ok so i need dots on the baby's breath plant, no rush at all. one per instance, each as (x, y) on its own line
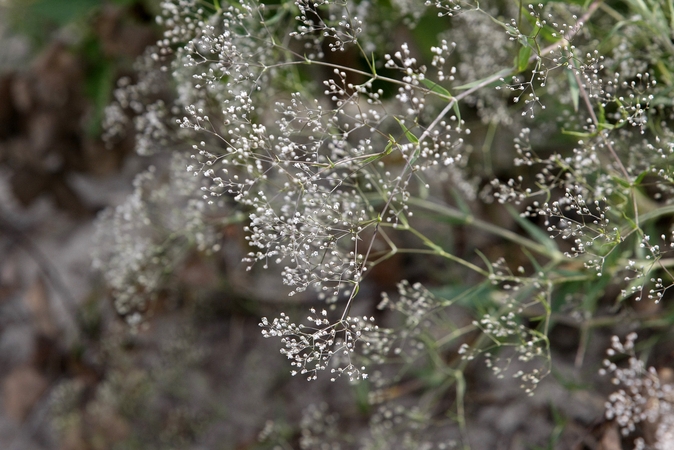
(342, 131)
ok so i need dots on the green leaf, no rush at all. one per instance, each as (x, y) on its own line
(548, 33)
(460, 202)
(603, 124)
(523, 58)
(537, 267)
(457, 111)
(435, 87)
(574, 89)
(661, 211)
(387, 151)
(602, 114)
(389, 147)
(624, 183)
(582, 134)
(536, 233)
(356, 289)
(412, 138)
(640, 177)
(500, 74)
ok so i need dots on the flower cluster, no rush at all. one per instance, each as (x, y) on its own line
(325, 344)
(642, 397)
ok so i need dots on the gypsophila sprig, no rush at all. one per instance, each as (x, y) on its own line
(324, 344)
(642, 396)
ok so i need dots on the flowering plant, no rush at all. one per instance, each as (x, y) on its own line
(339, 132)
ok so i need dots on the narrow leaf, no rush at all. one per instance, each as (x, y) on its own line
(577, 133)
(457, 111)
(574, 89)
(523, 58)
(435, 87)
(499, 74)
(640, 177)
(412, 138)
(460, 202)
(536, 233)
(621, 182)
(387, 151)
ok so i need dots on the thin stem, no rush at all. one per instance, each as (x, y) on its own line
(372, 76)
(441, 252)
